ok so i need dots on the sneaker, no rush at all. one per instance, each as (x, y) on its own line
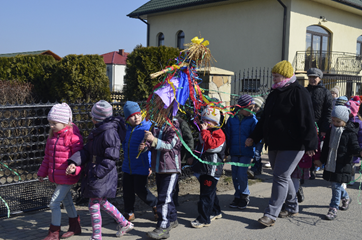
(174, 224)
(214, 217)
(130, 216)
(345, 203)
(159, 233)
(197, 224)
(251, 174)
(300, 194)
(267, 165)
(235, 203)
(244, 202)
(312, 175)
(123, 230)
(332, 214)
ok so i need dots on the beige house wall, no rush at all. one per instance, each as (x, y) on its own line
(345, 27)
(242, 34)
(247, 34)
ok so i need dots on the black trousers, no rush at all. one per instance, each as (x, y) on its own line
(136, 184)
(208, 203)
(166, 209)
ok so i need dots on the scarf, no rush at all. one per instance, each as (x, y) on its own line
(285, 82)
(335, 137)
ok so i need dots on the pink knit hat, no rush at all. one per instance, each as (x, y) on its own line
(101, 110)
(353, 106)
(60, 113)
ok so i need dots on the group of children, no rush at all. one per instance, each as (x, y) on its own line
(160, 148)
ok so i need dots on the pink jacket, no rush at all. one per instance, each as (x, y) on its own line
(58, 150)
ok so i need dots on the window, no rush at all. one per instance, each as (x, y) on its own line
(250, 85)
(180, 40)
(161, 39)
(317, 48)
(359, 46)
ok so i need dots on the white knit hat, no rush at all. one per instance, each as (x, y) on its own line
(60, 113)
(211, 114)
(341, 112)
(259, 101)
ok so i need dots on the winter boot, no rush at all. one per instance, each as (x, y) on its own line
(74, 228)
(300, 194)
(53, 233)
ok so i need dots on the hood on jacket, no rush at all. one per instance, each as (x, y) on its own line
(108, 123)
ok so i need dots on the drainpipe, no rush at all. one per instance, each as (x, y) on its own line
(284, 28)
(148, 30)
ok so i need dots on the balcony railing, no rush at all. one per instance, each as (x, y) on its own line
(328, 62)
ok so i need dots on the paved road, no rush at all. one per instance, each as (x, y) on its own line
(235, 224)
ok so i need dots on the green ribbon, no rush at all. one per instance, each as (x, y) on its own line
(206, 162)
(6, 204)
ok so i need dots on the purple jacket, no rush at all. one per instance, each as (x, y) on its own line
(357, 120)
(166, 155)
(100, 154)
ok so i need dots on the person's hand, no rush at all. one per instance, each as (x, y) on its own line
(149, 172)
(318, 163)
(142, 146)
(249, 142)
(203, 126)
(311, 153)
(148, 136)
(40, 179)
(190, 160)
(70, 169)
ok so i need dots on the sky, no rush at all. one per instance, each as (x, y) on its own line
(70, 26)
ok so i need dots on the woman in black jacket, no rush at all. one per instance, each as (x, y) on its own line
(287, 126)
(340, 145)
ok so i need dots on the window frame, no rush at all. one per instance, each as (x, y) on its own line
(179, 38)
(160, 39)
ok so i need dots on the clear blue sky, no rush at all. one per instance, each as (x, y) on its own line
(70, 26)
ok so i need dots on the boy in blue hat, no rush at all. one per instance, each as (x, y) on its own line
(135, 171)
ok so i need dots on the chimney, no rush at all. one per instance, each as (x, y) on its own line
(121, 52)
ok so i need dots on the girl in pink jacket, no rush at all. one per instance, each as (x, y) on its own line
(64, 140)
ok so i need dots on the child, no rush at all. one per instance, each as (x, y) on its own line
(301, 172)
(64, 140)
(339, 146)
(135, 171)
(237, 130)
(166, 163)
(341, 101)
(335, 94)
(256, 169)
(101, 154)
(212, 149)
(353, 105)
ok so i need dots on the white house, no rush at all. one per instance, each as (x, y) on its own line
(116, 69)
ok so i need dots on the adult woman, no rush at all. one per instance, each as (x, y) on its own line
(287, 126)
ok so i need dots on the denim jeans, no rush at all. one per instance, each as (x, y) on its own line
(62, 194)
(257, 158)
(240, 176)
(338, 193)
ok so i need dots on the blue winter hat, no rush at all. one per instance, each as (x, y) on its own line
(130, 109)
(341, 101)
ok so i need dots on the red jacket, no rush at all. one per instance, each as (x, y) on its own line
(58, 150)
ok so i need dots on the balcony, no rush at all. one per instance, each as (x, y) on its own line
(328, 61)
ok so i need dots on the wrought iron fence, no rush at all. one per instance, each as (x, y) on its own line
(23, 133)
(350, 85)
(255, 82)
(328, 61)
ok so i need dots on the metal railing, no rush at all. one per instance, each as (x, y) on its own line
(328, 61)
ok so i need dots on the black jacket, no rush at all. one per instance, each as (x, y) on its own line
(287, 122)
(322, 105)
(187, 137)
(348, 147)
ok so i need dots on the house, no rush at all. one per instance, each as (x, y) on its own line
(245, 34)
(41, 52)
(116, 69)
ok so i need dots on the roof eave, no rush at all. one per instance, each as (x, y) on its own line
(348, 3)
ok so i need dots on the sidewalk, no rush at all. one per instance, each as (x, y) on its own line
(235, 224)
